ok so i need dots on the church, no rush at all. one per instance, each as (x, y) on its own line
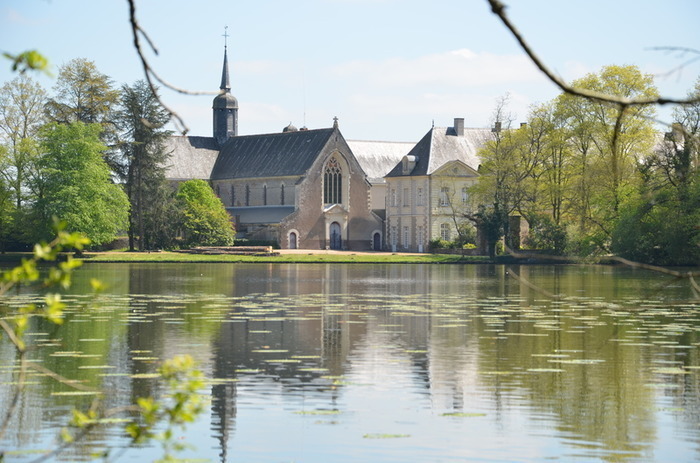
(313, 189)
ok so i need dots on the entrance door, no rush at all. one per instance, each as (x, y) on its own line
(336, 239)
(292, 240)
(377, 242)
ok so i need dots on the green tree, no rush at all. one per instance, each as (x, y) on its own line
(619, 136)
(76, 186)
(553, 173)
(661, 226)
(141, 119)
(22, 103)
(508, 165)
(205, 221)
(84, 94)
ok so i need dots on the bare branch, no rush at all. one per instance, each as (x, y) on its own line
(499, 9)
(150, 74)
(682, 51)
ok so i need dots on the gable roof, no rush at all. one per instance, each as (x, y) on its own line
(270, 155)
(190, 157)
(442, 145)
(377, 158)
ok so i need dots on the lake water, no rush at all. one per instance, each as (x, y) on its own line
(379, 363)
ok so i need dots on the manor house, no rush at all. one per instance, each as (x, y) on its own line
(313, 189)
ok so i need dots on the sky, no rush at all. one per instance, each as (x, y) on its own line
(388, 69)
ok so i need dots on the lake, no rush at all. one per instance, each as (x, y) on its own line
(377, 363)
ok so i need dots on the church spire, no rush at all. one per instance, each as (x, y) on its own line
(225, 82)
(225, 105)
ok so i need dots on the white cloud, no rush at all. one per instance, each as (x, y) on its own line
(456, 68)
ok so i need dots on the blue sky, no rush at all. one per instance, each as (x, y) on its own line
(386, 68)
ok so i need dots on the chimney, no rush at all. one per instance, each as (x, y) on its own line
(459, 126)
(523, 125)
(497, 127)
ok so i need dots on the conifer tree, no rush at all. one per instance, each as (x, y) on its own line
(142, 165)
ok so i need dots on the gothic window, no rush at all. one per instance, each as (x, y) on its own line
(247, 195)
(282, 194)
(445, 231)
(332, 183)
(264, 195)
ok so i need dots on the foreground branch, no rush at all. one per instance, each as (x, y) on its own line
(150, 74)
(499, 9)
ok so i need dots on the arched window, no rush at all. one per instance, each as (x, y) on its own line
(332, 183)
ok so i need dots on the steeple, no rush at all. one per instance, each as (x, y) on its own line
(225, 105)
(225, 81)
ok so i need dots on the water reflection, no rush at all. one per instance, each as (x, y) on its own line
(390, 362)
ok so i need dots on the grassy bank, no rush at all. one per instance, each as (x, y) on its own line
(310, 257)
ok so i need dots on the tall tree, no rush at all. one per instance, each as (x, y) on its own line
(76, 185)
(661, 227)
(84, 94)
(508, 163)
(621, 136)
(141, 119)
(22, 103)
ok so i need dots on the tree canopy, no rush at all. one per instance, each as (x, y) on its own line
(205, 221)
(76, 185)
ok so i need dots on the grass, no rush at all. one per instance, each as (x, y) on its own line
(284, 258)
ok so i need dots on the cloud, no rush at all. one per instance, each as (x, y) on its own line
(456, 68)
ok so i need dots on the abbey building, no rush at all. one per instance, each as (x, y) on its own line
(313, 189)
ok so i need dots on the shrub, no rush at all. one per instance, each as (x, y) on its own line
(546, 235)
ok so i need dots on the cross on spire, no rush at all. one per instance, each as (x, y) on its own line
(226, 36)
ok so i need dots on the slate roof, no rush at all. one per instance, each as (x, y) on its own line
(270, 155)
(377, 158)
(190, 157)
(261, 214)
(441, 145)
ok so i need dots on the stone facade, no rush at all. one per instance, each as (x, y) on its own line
(428, 191)
(312, 189)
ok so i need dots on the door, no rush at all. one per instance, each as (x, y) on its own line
(377, 242)
(292, 240)
(336, 240)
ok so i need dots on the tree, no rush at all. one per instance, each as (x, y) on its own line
(205, 221)
(84, 94)
(21, 115)
(76, 185)
(610, 142)
(507, 166)
(661, 227)
(141, 120)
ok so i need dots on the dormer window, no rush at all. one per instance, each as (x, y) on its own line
(332, 183)
(407, 164)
